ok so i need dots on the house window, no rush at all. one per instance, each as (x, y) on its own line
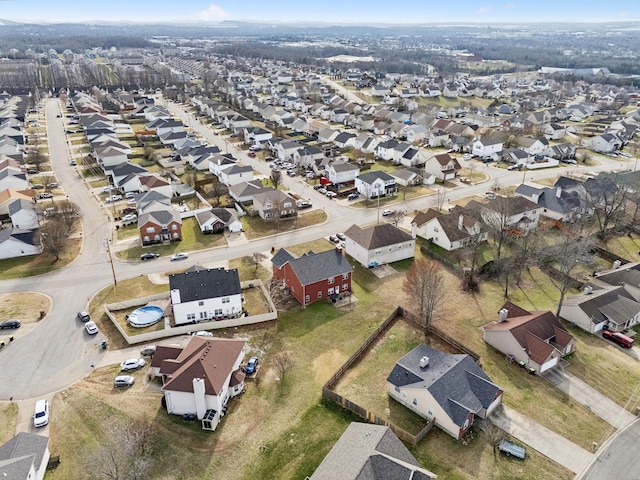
(345, 276)
(330, 281)
(268, 205)
(435, 229)
(174, 227)
(345, 287)
(307, 299)
(404, 395)
(320, 294)
(191, 316)
(330, 291)
(397, 389)
(200, 304)
(415, 401)
(225, 299)
(217, 312)
(150, 229)
(203, 315)
(287, 205)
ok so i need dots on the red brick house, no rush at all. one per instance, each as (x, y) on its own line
(314, 276)
(160, 226)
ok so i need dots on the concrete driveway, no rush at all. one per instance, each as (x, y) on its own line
(550, 444)
(599, 404)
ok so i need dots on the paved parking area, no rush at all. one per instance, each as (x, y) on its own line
(382, 271)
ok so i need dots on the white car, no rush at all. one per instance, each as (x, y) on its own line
(106, 189)
(91, 328)
(124, 381)
(132, 364)
(202, 333)
(387, 212)
(113, 198)
(179, 256)
(129, 217)
(41, 414)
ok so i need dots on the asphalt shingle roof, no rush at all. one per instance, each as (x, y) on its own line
(377, 236)
(211, 283)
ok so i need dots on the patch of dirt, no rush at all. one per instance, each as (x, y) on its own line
(326, 365)
(25, 306)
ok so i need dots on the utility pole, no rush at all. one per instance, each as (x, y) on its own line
(107, 242)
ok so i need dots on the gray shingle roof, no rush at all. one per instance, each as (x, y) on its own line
(371, 177)
(315, 267)
(281, 257)
(20, 453)
(456, 382)
(211, 283)
(377, 236)
(369, 452)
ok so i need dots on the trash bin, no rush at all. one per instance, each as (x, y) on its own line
(104, 344)
(11, 338)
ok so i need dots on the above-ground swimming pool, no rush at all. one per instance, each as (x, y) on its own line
(145, 316)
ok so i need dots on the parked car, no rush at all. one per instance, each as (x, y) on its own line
(126, 210)
(106, 189)
(149, 256)
(353, 196)
(569, 161)
(13, 323)
(252, 154)
(33, 171)
(148, 350)
(466, 156)
(73, 163)
(124, 381)
(132, 364)
(333, 239)
(131, 201)
(322, 190)
(341, 236)
(41, 413)
(113, 198)
(44, 195)
(91, 328)
(331, 194)
(202, 333)
(52, 185)
(37, 186)
(291, 173)
(129, 195)
(387, 212)
(318, 187)
(179, 256)
(129, 217)
(302, 204)
(617, 337)
(83, 316)
(517, 166)
(268, 159)
(252, 366)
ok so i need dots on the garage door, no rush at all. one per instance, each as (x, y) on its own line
(550, 364)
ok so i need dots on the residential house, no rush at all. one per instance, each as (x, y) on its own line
(378, 244)
(534, 146)
(415, 133)
(215, 220)
(15, 242)
(450, 389)
(437, 138)
(326, 135)
(307, 156)
(450, 231)
(8, 196)
(605, 143)
(23, 214)
(443, 166)
(235, 174)
(159, 225)
(341, 171)
(287, 148)
(489, 147)
(556, 203)
(12, 180)
(313, 276)
(256, 136)
(344, 140)
(24, 457)
(204, 295)
(365, 143)
(245, 191)
(155, 183)
(375, 184)
(365, 451)
(537, 339)
(517, 214)
(272, 205)
(408, 176)
(554, 131)
(385, 149)
(203, 377)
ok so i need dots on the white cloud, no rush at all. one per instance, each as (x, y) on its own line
(214, 13)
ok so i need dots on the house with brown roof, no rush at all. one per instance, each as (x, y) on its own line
(450, 231)
(201, 377)
(378, 244)
(443, 166)
(535, 339)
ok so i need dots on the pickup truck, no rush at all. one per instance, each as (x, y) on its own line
(511, 449)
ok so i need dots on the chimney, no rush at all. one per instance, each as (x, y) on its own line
(502, 315)
(558, 192)
(424, 362)
(460, 221)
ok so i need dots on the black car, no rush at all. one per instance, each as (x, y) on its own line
(149, 256)
(83, 316)
(13, 323)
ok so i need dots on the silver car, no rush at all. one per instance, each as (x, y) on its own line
(123, 381)
(132, 364)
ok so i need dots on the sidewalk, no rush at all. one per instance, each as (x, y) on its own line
(540, 438)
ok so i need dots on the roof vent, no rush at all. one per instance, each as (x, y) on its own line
(588, 290)
(424, 362)
(502, 315)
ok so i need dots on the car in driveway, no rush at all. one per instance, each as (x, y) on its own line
(331, 194)
(113, 198)
(202, 333)
(83, 316)
(617, 337)
(179, 256)
(132, 364)
(341, 236)
(12, 323)
(44, 195)
(252, 366)
(123, 381)
(91, 328)
(353, 196)
(41, 413)
(149, 256)
(387, 212)
(130, 217)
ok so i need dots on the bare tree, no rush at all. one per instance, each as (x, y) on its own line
(218, 190)
(424, 284)
(278, 294)
(563, 259)
(68, 212)
(283, 363)
(528, 249)
(439, 198)
(396, 216)
(497, 217)
(276, 178)
(608, 200)
(54, 236)
(492, 434)
(255, 259)
(36, 158)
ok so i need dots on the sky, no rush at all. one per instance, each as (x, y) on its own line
(333, 11)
